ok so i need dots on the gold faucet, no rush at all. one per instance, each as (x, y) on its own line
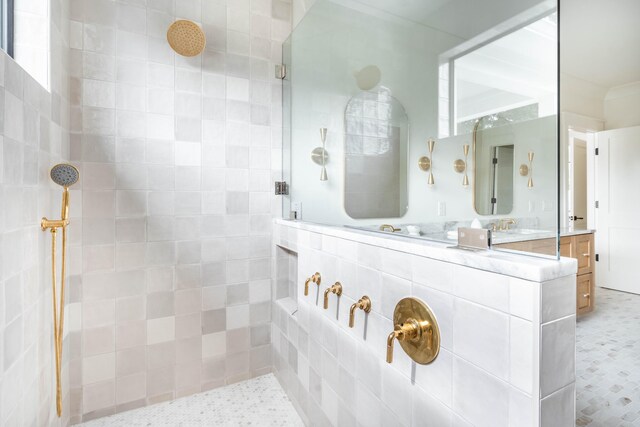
(363, 303)
(335, 289)
(504, 223)
(388, 227)
(316, 278)
(410, 330)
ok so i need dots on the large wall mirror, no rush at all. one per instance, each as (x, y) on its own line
(493, 157)
(376, 149)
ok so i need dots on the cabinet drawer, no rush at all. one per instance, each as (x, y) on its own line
(566, 247)
(585, 295)
(584, 253)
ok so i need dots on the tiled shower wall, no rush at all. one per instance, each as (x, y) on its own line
(34, 135)
(171, 264)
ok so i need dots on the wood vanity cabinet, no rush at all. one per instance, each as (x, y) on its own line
(580, 247)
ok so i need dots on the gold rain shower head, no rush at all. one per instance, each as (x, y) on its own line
(186, 38)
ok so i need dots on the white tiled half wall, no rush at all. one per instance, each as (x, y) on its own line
(504, 360)
(171, 257)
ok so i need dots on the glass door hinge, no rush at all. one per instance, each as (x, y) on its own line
(281, 71)
(282, 189)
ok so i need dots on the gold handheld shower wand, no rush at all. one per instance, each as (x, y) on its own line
(64, 175)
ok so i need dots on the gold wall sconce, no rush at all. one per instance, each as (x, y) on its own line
(316, 278)
(460, 165)
(416, 328)
(528, 170)
(319, 155)
(425, 163)
(363, 304)
(335, 289)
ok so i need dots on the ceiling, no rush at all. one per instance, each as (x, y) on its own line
(600, 40)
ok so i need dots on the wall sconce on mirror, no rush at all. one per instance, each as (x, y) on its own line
(426, 163)
(460, 165)
(528, 170)
(320, 156)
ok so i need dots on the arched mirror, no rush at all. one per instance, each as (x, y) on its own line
(376, 150)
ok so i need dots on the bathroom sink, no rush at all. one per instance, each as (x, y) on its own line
(527, 231)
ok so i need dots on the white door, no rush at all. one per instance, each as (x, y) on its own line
(579, 184)
(617, 217)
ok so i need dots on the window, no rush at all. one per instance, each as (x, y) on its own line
(6, 26)
(512, 76)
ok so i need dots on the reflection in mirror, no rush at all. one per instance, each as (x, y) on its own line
(376, 140)
(493, 151)
(513, 74)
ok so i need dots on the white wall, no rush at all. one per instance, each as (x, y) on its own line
(581, 97)
(622, 106)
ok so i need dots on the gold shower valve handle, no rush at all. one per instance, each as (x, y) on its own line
(364, 304)
(416, 328)
(316, 278)
(335, 289)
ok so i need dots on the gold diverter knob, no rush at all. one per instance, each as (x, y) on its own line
(416, 327)
(335, 289)
(316, 278)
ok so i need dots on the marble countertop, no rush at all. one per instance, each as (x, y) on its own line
(521, 265)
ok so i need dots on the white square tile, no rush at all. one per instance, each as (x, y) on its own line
(479, 397)
(481, 336)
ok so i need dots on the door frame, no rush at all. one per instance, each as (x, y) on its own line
(589, 145)
(579, 123)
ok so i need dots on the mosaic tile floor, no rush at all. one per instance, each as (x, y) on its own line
(608, 362)
(256, 402)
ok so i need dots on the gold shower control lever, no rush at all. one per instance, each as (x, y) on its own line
(316, 278)
(335, 289)
(416, 328)
(363, 303)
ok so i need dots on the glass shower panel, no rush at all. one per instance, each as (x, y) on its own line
(418, 72)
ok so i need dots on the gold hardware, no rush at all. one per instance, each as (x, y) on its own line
(504, 223)
(424, 163)
(364, 304)
(388, 227)
(416, 328)
(528, 170)
(586, 255)
(460, 165)
(586, 296)
(335, 289)
(186, 38)
(316, 278)
(64, 175)
(320, 156)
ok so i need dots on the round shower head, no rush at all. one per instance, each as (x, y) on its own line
(186, 38)
(64, 174)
